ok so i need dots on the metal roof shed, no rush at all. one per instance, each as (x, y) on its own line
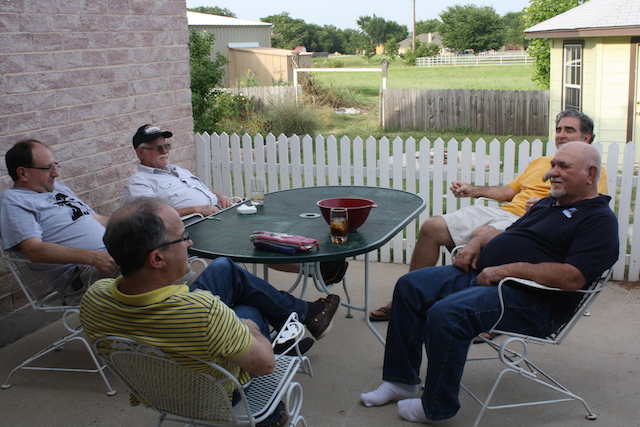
(230, 30)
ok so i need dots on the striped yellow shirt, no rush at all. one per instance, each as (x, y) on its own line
(171, 318)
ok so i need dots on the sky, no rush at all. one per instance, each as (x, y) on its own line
(344, 13)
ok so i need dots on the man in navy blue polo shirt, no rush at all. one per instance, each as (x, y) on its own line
(565, 241)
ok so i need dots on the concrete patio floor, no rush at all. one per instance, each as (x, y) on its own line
(600, 360)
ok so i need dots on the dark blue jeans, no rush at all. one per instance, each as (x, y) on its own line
(444, 309)
(248, 295)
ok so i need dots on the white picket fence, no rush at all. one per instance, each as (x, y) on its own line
(520, 58)
(424, 167)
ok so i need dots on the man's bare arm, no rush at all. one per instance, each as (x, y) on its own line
(497, 192)
(102, 219)
(552, 274)
(203, 210)
(44, 252)
(259, 358)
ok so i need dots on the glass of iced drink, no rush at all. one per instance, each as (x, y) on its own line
(339, 222)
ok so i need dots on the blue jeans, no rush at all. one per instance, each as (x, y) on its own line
(248, 295)
(444, 309)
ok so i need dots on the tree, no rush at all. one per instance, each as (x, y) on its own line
(287, 32)
(327, 38)
(422, 50)
(213, 10)
(428, 26)
(514, 27)
(539, 11)
(380, 31)
(355, 41)
(471, 27)
(205, 76)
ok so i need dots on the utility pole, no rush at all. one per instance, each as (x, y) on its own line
(414, 27)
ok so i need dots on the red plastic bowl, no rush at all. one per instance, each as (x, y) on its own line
(357, 209)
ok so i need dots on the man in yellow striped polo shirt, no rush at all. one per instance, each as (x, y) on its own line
(224, 317)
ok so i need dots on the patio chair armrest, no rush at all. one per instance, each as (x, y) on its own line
(486, 200)
(533, 284)
(530, 283)
(198, 260)
(455, 250)
(293, 329)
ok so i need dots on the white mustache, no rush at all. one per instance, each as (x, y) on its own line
(163, 156)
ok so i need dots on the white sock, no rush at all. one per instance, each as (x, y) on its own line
(387, 392)
(412, 410)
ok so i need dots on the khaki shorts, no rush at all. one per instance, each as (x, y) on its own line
(463, 222)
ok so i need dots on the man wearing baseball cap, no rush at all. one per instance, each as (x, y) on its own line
(156, 177)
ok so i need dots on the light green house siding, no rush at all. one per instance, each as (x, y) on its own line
(605, 84)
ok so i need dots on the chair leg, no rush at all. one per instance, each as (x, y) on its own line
(71, 336)
(293, 404)
(530, 373)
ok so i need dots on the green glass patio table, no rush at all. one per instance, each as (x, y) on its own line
(295, 211)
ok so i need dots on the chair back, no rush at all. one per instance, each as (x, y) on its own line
(168, 386)
(589, 294)
(588, 297)
(39, 293)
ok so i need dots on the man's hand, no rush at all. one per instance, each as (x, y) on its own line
(206, 210)
(461, 189)
(532, 201)
(224, 201)
(467, 258)
(103, 261)
(490, 276)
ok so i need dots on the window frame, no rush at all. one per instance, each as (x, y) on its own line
(572, 74)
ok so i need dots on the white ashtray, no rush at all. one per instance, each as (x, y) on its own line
(246, 209)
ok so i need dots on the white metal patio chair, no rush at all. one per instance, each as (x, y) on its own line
(43, 298)
(518, 362)
(180, 394)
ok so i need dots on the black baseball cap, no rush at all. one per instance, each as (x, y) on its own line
(149, 133)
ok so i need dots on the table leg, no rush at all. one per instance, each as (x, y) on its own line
(366, 300)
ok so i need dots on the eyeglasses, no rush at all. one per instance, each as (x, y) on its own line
(49, 168)
(158, 147)
(183, 239)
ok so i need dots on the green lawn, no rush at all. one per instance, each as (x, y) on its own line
(365, 87)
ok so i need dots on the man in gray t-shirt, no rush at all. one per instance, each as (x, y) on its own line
(45, 221)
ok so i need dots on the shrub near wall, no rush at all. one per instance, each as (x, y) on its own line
(82, 77)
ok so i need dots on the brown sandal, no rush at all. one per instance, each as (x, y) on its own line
(385, 310)
(485, 336)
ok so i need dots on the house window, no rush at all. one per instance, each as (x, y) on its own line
(572, 89)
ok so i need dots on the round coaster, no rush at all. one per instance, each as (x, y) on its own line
(309, 215)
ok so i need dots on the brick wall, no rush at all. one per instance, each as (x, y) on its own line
(82, 76)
